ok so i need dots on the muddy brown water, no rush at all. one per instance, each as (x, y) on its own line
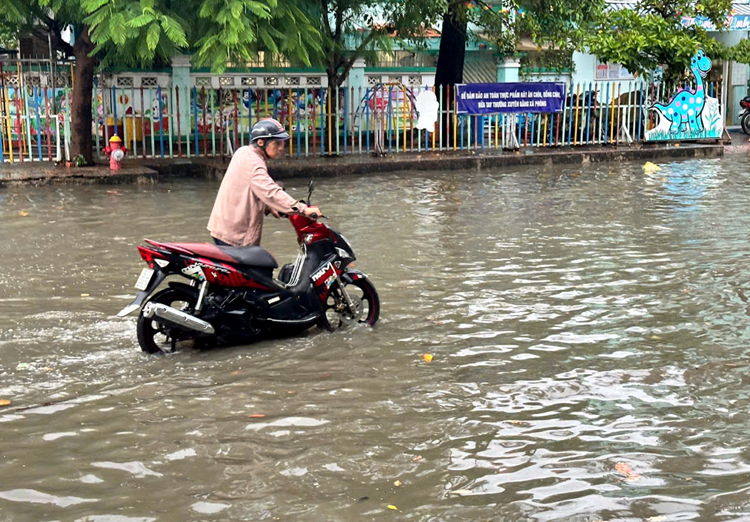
(578, 318)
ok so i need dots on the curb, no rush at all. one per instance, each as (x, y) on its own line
(154, 171)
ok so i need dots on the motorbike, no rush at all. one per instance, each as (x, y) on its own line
(745, 115)
(231, 295)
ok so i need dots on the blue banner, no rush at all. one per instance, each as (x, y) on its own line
(492, 98)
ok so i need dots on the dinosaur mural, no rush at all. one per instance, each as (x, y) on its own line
(691, 113)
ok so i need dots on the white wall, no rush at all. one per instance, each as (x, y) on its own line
(734, 92)
(585, 67)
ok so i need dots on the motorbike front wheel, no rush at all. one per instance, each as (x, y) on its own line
(155, 337)
(366, 300)
(745, 122)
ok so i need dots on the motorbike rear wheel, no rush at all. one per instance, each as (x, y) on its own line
(364, 295)
(153, 336)
(745, 122)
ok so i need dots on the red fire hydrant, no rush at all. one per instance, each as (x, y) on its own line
(116, 152)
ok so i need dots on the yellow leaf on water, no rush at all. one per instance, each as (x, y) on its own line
(417, 458)
(4, 402)
(85, 295)
(398, 483)
(391, 506)
(256, 416)
(23, 213)
(650, 167)
(426, 357)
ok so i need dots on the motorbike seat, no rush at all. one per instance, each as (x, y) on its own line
(256, 256)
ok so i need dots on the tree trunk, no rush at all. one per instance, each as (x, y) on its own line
(81, 141)
(450, 66)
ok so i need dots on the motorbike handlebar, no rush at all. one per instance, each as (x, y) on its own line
(313, 216)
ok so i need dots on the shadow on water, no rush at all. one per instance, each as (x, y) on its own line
(587, 327)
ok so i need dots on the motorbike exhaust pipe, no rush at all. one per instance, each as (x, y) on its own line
(177, 317)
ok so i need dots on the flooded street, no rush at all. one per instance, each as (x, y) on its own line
(588, 327)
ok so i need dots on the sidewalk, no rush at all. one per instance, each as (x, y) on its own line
(154, 170)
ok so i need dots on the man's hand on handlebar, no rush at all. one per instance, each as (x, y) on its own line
(312, 212)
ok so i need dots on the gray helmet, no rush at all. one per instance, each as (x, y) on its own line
(268, 129)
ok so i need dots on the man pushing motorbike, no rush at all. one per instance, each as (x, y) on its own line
(248, 192)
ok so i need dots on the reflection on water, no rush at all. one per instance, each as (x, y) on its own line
(578, 317)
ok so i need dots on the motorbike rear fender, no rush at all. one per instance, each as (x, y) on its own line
(186, 290)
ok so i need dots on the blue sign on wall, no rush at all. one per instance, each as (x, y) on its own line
(492, 98)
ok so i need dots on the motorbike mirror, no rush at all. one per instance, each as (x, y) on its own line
(310, 191)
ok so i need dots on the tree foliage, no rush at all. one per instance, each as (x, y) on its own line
(223, 32)
(351, 29)
(653, 34)
(561, 24)
(140, 32)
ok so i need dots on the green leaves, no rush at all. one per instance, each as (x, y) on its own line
(141, 20)
(236, 31)
(653, 35)
(152, 36)
(135, 32)
(174, 31)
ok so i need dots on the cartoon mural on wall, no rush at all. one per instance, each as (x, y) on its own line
(691, 113)
(28, 103)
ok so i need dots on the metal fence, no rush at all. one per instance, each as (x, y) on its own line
(164, 122)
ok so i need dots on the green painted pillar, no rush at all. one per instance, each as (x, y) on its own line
(508, 69)
(356, 77)
(181, 79)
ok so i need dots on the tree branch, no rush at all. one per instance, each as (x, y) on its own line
(339, 21)
(326, 23)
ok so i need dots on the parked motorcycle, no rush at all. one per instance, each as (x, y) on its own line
(232, 296)
(745, 114)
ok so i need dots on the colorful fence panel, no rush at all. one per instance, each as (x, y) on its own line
(164, 122)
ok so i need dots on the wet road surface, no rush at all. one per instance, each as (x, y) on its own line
(588, 326)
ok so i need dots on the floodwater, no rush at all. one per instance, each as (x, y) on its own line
(588, 327)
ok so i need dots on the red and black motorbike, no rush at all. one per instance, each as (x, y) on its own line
(745, 115)
(233, 297)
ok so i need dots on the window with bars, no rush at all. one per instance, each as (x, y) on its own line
(248, 80)
(203, 81)
(373, 80)
(124, 81)
(149, 81)
(313, 80)
(415, 80)
(271, 80)
(394, 79)
(292, 80)
(226, 81)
